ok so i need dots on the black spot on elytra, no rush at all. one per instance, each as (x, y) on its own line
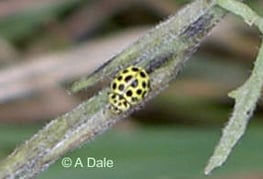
(144, 84)
(113, 96)
(134, 99)
(119, 78)
(129, 93)
(143, 94)
(128, 78)
(114, 85)
(121, 87)
(125, 71)
(142, 74)
(125, 103)
(121, 97)
(115, 101)
(134, 83)
(139, 91)
(135, 69)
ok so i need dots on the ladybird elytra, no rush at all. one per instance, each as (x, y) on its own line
(128, 88)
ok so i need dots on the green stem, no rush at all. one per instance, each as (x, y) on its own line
(244, 11)
(245, 96)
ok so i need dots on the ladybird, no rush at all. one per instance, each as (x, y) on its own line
(128, 88)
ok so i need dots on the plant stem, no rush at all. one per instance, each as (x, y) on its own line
(246, 96)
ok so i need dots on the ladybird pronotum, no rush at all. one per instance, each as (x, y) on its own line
(128, 88)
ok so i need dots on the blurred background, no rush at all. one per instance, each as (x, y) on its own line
(47, 45)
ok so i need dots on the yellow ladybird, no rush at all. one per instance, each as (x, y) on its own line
(128, 88)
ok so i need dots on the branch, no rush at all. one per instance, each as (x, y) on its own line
(245, 96)
(162, 52)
